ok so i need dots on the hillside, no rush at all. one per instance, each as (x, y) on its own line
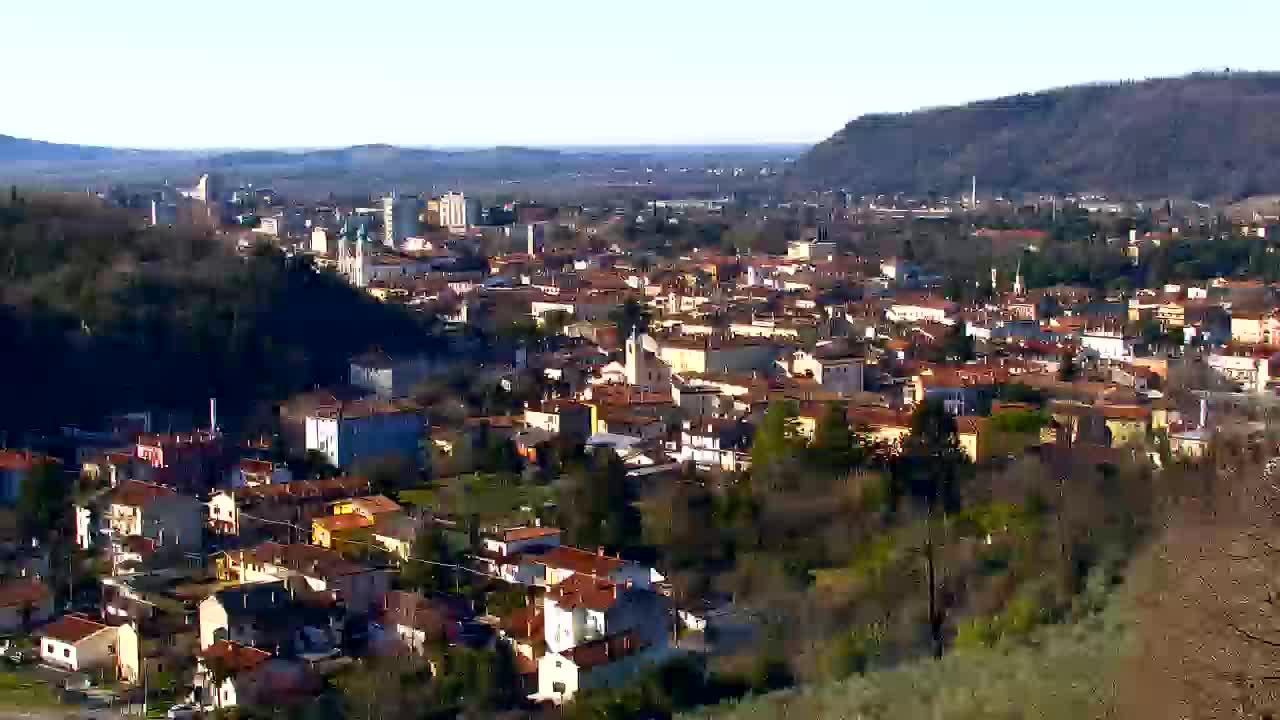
(1067, 671)
(1203, 135)
(102, 315)
(24, 152)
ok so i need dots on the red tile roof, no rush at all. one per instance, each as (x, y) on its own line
(528, 533)
(585, 591)
(21, 459)
(234, 657)
(565, 557)
(72, 628)
(604, 650)
(137, 493)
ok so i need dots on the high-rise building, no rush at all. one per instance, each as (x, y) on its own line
(458, 212)
(399, 218)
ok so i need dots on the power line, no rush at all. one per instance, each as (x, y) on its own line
(376, 546)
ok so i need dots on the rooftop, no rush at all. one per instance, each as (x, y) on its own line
(72, 628)
(234, 657)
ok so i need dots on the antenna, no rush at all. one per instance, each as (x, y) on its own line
(973, 194)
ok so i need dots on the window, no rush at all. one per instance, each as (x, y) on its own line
(48, 648)
(558, 664)
(558, 688)
(66, 652)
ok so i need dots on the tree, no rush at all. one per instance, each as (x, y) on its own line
(927, 474)
(1067, 369)
(630, 317)
(774, 438)
(835, 447)
(428, 545)
(957, 346)
(595, 503)
(555, 321)
(44, 500)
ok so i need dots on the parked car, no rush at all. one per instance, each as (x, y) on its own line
(183, 712)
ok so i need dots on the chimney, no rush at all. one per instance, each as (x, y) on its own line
(600, 550)
(615, 591)
(528, 626)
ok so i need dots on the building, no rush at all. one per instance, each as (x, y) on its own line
(598, 633)
(320, 241)
(366, 430)
(1251, 372)
(357, 586)
(458, 212)
(249, 676)
(163, 213)
(155, 512)
(811, 250)
(715, 443)
(713, 354)
(288, 617)
(924, 309)
(400, 219)
(75, 642)
(417, 622)
(1107, 345)
(834, 368)
(190, 461)
(273, 505)
(389, 376)
(643, 369)
(561, 417)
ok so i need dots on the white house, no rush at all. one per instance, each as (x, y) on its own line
(598, 634)
(74, 642)
(1251, 372)
(1107, 345)
(833, 368)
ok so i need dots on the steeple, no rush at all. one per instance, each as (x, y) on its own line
(1017, 280)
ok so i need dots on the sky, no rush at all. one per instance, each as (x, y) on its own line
(311, 73)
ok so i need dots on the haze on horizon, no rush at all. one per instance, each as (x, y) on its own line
(157, 74)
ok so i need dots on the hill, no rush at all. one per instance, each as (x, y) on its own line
(101, 315)
(25, 152)
(1203, 135)
(1067, 671)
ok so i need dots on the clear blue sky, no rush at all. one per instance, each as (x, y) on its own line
(219, 73)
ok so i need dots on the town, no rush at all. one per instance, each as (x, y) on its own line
(637, 455)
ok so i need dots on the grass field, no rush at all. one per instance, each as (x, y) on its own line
(493, 498)
(23, 690)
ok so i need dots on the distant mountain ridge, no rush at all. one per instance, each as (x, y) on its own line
(15, 150)
(1202, 135)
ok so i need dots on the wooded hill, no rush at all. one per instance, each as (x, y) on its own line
(1203, 135)
(100, 314)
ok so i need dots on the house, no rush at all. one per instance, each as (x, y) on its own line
(285, 616)
(367, 429)
(15, 468)
(230, 674)
(512, 554)
(323, 570)
(75, 642)
(1251, 372)
(834, 367)
(389, 376)
(189, 461)
(269, 506)
(563, 562)
(715, 443)
(598, 634)
(419, 622)
(716, 354)
(1107, 345)
(396, 533)
(917, 309)
(1253, 327)
(560, 417)
(156, 645)
(157, 513)
(337, 531)
(251, 473)
(523, 629)
(24, 602)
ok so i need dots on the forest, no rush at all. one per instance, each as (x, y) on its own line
(102, 315)
(1204, 135)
